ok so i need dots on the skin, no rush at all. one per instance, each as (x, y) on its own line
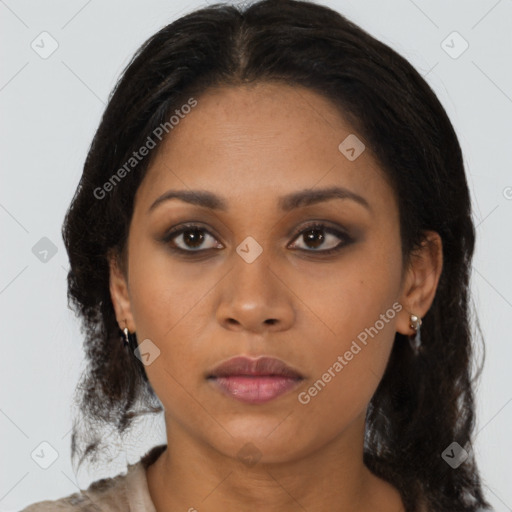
(252, 145)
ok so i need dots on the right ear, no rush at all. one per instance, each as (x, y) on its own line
(119, 292)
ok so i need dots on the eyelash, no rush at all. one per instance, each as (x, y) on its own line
(173, 233)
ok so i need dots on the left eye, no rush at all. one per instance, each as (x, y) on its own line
(317, 235)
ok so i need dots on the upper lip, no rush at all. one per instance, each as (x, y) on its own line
(262, 366)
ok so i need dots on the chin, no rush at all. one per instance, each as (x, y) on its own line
(260, 442)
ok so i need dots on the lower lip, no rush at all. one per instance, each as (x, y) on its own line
(254, 390)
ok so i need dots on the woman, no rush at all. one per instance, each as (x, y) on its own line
(271, 243)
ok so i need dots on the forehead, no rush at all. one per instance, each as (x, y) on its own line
(264, 139)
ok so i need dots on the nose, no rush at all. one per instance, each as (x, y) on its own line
(255, 298)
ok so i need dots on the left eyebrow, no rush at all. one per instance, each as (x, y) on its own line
(309, 196)
(287, 203)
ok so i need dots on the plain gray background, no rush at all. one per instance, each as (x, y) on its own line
(50, 108)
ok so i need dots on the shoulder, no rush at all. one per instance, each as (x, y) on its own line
(125, 492)
(105, 495)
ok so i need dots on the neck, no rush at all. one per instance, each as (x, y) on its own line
(190, 475)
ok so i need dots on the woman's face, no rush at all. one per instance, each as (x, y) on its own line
(247, 282)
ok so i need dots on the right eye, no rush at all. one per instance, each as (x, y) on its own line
(190, 238)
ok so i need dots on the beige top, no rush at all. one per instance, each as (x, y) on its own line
(126, 492)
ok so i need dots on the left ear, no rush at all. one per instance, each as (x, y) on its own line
(421, 280)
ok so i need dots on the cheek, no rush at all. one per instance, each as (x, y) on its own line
(350, 295)
(166, 307)
(167, 303)
(359, 307)
(163, 289)
(349, 365)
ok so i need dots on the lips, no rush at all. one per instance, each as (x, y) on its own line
(263, 366)
(254, 380)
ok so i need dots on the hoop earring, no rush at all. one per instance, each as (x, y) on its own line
(415, 339)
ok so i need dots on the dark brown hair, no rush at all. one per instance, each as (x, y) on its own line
(424, 402)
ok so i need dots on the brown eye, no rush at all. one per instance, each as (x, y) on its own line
(321, 238)
(313, 237)
(191, 238)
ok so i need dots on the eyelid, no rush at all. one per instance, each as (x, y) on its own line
(319, 224)
(325, 226)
